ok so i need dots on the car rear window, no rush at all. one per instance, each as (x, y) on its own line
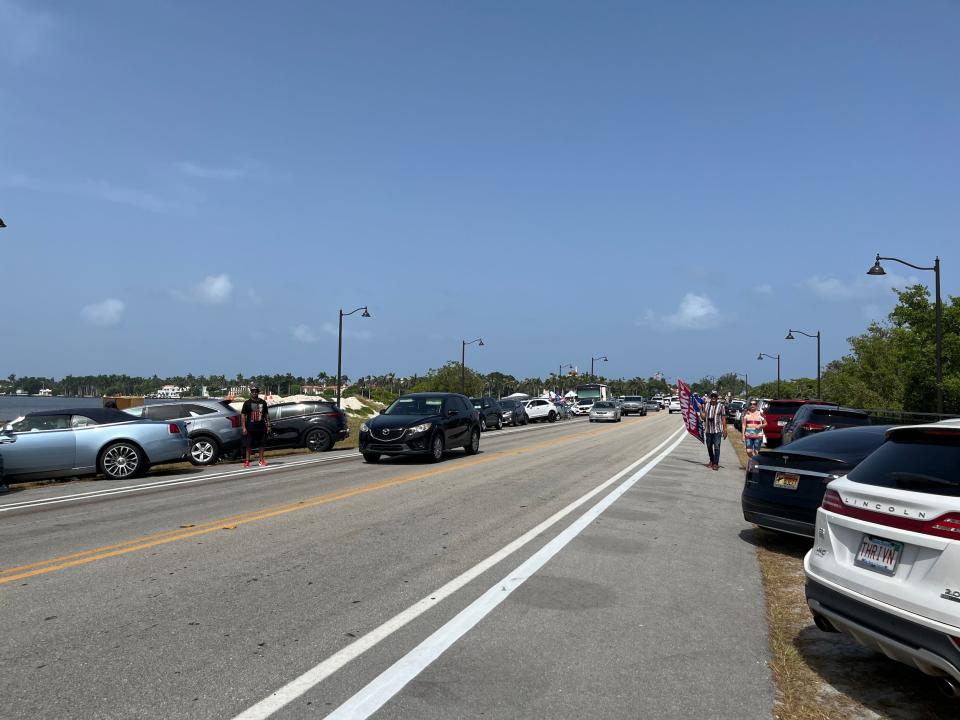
(603, 405)
(781, 408)
(919, 461)
(839, 417)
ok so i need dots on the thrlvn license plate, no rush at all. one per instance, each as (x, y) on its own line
(787, 481)
(878, 555)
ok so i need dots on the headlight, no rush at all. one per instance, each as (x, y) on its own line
(364, 428)
(421, 428)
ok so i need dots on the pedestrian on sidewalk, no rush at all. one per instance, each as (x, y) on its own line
(714, 417)
(753, 424)
(254, 424)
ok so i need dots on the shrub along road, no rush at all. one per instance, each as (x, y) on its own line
(581, 571)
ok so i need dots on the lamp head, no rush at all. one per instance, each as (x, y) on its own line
(877, 269)
(790, 335)
(481, 342)
(2, 223)
(365, 313)
(760, 356)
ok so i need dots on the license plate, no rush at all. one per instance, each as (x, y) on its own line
(787, 481)
(878, 555)
(781, 423)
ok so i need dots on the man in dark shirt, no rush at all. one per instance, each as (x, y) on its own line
(254, 424)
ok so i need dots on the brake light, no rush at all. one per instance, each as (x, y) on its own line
(234, 421)
(813, 426)
(945, 526)
(174, 429)
(833, 502)
(332, 413)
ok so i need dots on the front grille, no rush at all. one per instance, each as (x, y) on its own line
(385, 447)
(387, 433)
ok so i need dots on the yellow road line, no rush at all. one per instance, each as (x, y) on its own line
(146, 542)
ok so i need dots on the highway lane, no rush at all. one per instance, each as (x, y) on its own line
(202, 600)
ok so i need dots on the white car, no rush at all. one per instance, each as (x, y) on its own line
(885, 565)
(674, 405)
(582, 407)
(541, 409)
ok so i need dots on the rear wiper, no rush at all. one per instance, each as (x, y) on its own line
(908, 478)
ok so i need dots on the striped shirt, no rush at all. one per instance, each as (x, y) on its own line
(714, 417)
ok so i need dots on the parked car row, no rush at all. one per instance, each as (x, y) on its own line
(882, 507)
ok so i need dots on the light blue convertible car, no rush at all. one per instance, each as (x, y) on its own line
(87, 441)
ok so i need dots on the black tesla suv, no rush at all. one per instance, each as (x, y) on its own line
(422, 424)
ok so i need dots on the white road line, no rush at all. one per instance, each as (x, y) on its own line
(172, 482)
(297, 687)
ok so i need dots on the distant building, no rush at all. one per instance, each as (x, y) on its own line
(241, 390)
(171, 392)
(45, 392)
(314, 389)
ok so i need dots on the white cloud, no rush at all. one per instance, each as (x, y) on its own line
(695, 312)
(97, 190)
(214, 289)
(763, 289)
(108, 312)
(211, 172)
(859, 286)
(26, 33)
(331, 329)
(302, 333)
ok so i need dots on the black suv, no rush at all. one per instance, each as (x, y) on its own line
(491, 414)
(811, 419)
(313, 425)
(422, 424)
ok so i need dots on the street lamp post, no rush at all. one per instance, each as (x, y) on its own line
(463, 362)
(560, 377)
(817, 336)
(366, 313)
(877, 269)
(776, 357)
(602, 357)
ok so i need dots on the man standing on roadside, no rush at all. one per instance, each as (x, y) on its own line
(254, 424)
(714, 416)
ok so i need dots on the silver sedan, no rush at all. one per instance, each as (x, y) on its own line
(605, 411)
(87, 441)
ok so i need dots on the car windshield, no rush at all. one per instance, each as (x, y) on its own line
(633, 398)
(839, 417)
(508, 404)
(603, 405)
(776, 408)
(415, 406)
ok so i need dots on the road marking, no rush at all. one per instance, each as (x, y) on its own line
(172, 482)
(84, 557)
(305, 682)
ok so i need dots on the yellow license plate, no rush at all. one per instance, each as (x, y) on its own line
(787, 481)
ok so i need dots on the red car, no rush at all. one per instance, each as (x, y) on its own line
(778, 413)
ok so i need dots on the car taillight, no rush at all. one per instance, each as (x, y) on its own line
(956, 641)
(947, 526)
(332, 413)
(234, 421)
(174, 429)
(816, 427)
(833, 502)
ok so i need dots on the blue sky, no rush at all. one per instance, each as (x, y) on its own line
(199, 187)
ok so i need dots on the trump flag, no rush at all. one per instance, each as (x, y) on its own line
(690, 410)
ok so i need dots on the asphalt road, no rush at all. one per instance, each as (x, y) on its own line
(567, 571)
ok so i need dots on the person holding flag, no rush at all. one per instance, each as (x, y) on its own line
(713, 414)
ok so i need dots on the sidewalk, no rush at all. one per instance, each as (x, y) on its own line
(655, 611)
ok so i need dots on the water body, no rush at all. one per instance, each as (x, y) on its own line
(13, 406)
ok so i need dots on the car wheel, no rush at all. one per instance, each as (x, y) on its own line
(121, 460)
(371, 457)
(483, 424)
(436, 448)
(318, 440)
(473, 447)
(500, 423)
(526, 418)
(204, 450)
(552, 417)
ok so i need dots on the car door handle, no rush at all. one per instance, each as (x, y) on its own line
(7, 439)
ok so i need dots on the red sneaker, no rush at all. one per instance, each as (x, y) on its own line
(263, 463)
(246, 464)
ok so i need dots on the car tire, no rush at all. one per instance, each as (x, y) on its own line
(318, 440)
(552, 417)
(473, 447)
(204, 450)
(483, 424)
(526, 419)
(436, 448)
(121, 461)
(371, 457)
(499, 425)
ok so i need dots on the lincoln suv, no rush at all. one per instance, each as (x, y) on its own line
(422, 424)
(885, 564)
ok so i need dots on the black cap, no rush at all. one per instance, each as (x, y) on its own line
(254, 388)
(713, 393)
